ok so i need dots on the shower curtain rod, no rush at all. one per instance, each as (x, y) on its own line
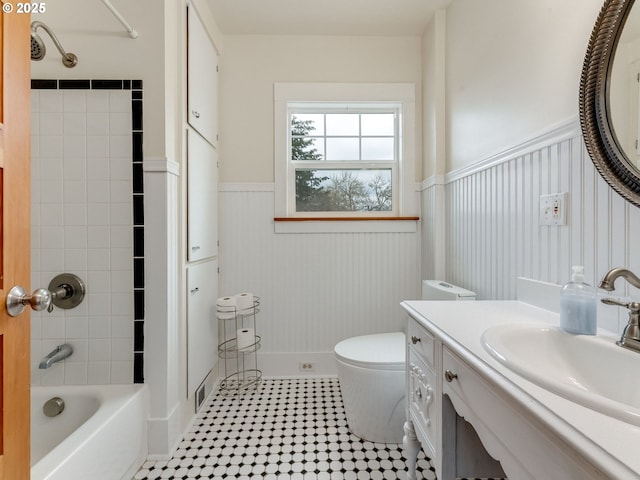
(130, 30)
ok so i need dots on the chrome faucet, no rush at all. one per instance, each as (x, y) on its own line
(57, 355)
(631, 334)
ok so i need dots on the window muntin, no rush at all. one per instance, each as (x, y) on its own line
(344, 158)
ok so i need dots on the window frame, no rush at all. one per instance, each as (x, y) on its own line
(327, 108)
(289, 96)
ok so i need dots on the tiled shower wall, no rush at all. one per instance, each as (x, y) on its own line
(86, 188)
(493, 231)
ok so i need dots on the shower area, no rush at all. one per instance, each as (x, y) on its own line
(87, 220)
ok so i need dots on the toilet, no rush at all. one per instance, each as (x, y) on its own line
(372, 370)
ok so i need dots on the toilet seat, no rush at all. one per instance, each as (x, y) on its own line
(381, 351)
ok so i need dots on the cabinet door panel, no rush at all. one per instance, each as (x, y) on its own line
(202, 323)
(202, 84)
(202, 198)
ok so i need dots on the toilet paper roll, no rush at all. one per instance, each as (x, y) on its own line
(245, 338)
(244, 303)
(226, 307)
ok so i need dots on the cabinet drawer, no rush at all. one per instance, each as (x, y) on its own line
(422, 342)
(422, 401)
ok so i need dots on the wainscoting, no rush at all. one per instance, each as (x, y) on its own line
(493, 234)
(315, 289)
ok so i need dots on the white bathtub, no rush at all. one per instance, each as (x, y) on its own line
(100, 435)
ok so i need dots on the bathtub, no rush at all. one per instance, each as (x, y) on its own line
(100, 435)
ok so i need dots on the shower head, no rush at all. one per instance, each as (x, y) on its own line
(39, 50)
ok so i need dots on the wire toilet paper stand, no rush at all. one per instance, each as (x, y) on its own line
(240, 343)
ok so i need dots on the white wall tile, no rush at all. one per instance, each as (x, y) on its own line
(75, 237)
(120, 123)
(50, 101)
(71, 231)
(74, 214)
(98, 124)
(51, 124)
(75, 191)
(98, 191)
(98, 373)
(75, 163)
(74, 123)
(120, 101)
(75, 373)
(50, 147)
(98, 101)
(74, 101)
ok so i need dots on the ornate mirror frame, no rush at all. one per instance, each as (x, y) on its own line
(595, 118)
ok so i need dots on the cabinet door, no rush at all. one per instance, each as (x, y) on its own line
(202, 323)
(202, 83)
(202, 198)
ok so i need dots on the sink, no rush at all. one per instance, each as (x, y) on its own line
(590, 370)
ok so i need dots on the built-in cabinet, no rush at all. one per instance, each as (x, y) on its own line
(202, 78)
(202, 327)
(201, 196)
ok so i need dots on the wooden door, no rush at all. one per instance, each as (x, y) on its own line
(15, 244)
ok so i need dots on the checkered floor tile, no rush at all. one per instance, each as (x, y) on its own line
(287, 429)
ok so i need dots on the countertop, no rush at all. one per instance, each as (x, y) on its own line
(610, 443)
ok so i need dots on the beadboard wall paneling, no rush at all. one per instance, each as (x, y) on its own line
(315, 289)
(493, 234)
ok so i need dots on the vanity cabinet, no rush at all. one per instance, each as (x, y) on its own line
(433, 425)
(422, 388)
(464, 418)
(202, 79)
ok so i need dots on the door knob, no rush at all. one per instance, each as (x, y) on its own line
(17, 300)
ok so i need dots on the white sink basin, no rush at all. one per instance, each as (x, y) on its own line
(590, 370)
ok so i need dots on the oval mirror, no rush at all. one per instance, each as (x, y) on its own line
(609, 97)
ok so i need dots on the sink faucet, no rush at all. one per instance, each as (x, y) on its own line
(631, 334)
(611, 275)
(57, 355)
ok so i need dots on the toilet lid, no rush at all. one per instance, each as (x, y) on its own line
(382, 351)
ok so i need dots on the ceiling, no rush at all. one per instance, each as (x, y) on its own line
(324, 17)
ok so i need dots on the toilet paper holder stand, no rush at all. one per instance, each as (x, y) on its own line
(239, 345)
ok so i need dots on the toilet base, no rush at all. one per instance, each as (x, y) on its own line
(373, 402)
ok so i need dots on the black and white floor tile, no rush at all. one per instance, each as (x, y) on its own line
(288, 429)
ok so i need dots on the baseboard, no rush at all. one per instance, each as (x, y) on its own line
(164, 435)
(292, 364)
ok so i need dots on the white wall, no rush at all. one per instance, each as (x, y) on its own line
(513, 69)
(513, 72)
(105, 51)
(315, 289)
(251, 64)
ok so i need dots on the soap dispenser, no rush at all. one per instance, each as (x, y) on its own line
(578, 305)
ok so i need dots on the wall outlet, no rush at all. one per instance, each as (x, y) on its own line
(306, 367)
(553, 209)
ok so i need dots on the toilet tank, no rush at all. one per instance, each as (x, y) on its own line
(439, 290)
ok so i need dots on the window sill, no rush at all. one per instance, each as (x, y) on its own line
(346, 224)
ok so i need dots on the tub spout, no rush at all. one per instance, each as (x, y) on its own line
(57, 355)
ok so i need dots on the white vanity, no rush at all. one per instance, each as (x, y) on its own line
(535, 434)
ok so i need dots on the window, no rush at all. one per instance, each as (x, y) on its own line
(343, 158)
(344, 151)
